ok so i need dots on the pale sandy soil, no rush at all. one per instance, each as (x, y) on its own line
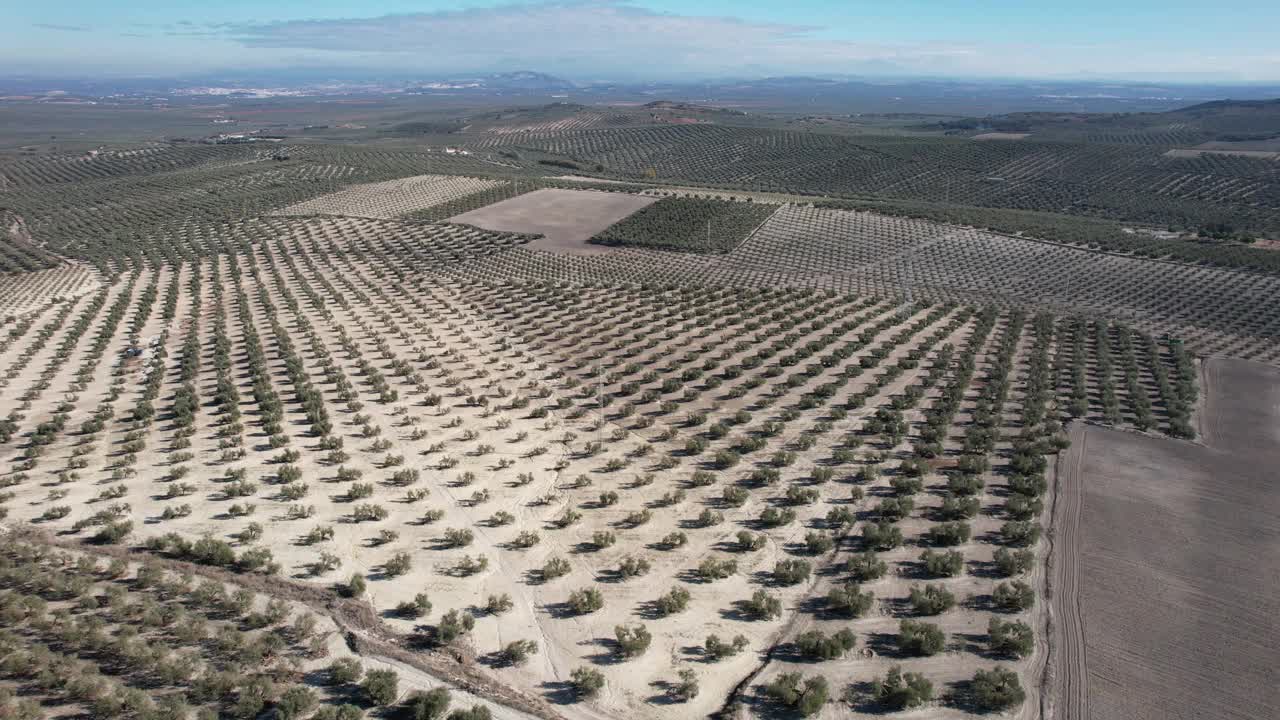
(965, 625)
(1001, 136)
(22, 293)
(322, 291)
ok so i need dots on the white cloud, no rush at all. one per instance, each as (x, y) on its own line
(588, 37)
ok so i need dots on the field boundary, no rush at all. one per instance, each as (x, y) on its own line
(1066, 669)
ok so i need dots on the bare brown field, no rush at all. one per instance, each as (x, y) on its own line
(1166, 556)
(566, 219)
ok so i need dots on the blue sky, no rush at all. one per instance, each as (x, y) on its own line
(603, 39)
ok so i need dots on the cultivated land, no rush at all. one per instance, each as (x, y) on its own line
(565, 219)
(391, 198)
(763, 454)
(1165, 560)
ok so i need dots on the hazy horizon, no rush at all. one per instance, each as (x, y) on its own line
(657, 40)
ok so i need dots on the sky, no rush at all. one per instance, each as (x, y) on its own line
(586, 40)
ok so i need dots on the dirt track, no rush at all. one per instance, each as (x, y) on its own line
(1166, 557)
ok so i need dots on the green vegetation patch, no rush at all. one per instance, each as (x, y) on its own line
(688, 225)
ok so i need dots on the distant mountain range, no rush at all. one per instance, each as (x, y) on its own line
(521, 82)
(803, 94)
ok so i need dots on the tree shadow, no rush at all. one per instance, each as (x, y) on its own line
(559, 692)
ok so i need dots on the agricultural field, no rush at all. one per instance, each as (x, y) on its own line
(1192, 531)
(566, 219)
(1114, 181)
(677, 223)
(392, 198)
(378, 421)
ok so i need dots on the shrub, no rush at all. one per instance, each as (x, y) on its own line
(735, 496)
(819, 646)
(942, 564)
(112, 533)
(587, 682)
(997, 689)
(498, 604)
(674, 540)
(773, 517)
(725, 459)
(380, 687)
(475, 712)
(458, 537)
(709, 518)
(791, 571)
(1014, 596)
(430, 705)
(345, 711)
(1020, 533)
(818, 543)
(948, 534)
(961, 508)
(804, 695)
(554, 568)
(749, 542)
(369, 512)
(895, 508)
(920, 638)
(965, 484)
(866, 566)
(586, 600)
(417, 607)
(713, 569)
(453, 625)
(840, 517)
(633, 567)
(345, 670)
(296, 702)
(906, 485)
(687, 688)
(881, 535)
(517, 652)
(1021, 507)
(632, 640)
(900, 691)
(399, 564)
(526, 539)
(354, 587)
(931, 600)
(1010, 638)
(675, 601)
(602, 539)
(1013, 562)
(763, 605)
(718, 649)
(849, 600)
